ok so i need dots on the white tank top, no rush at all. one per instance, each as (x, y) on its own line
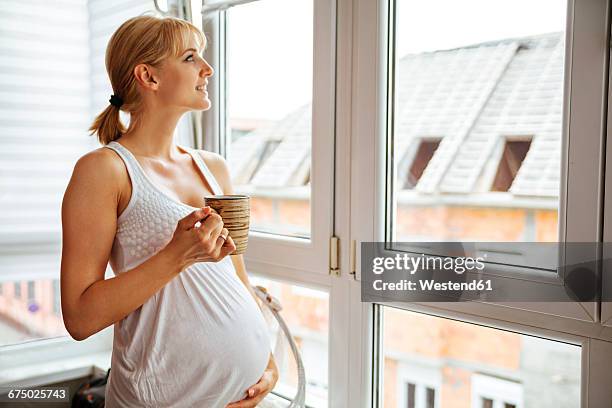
(201, 340)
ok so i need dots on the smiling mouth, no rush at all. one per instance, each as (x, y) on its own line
(201, 88)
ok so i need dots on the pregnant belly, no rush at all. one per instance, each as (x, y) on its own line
(211, 340)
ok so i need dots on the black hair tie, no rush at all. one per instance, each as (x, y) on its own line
(116, 101)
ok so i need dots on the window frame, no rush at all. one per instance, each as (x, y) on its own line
(574, 323)
(606, 305)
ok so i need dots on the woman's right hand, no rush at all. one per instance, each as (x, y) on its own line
(208, 242)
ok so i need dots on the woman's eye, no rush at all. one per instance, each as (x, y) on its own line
(190, 56)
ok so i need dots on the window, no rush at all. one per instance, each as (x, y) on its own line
(512, 158)
(421, 159)
(411, 395)
(269, 112)
(428, 400)
(31, 292)
(417, 384)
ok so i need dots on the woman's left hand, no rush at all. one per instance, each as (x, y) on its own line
(258, 392)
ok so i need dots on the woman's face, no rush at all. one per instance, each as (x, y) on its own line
(183, 79)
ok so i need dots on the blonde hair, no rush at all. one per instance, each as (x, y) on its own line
(146, 39)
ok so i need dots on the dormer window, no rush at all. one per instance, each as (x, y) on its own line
(424, 154)
(512, 158)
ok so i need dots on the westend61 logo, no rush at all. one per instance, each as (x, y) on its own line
(412, 264)
(488, 271)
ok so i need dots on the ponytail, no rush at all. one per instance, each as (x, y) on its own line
(108, 125)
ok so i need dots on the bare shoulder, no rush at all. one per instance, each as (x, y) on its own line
(100, 157)
(219, 168)
(100, 172)
(101, 165)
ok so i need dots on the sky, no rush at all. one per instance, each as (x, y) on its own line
(270, 58)
(429, 25)
(270, 42)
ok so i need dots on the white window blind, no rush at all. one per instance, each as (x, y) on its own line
(44, 112)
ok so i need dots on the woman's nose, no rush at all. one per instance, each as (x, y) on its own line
(207, 70)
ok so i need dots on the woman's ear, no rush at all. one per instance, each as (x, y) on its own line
(146, 76)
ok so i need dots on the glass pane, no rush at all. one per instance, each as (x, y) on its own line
(458, 364)
(477, 114)
(306, 312)
(269, 95)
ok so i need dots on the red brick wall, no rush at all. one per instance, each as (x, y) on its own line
(284, 213)
(466, 223)
(262, 210)
(294, 212)
(546, 225)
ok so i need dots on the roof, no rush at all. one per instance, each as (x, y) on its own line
(472, 98)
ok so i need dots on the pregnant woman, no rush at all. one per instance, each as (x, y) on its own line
(188, 331)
